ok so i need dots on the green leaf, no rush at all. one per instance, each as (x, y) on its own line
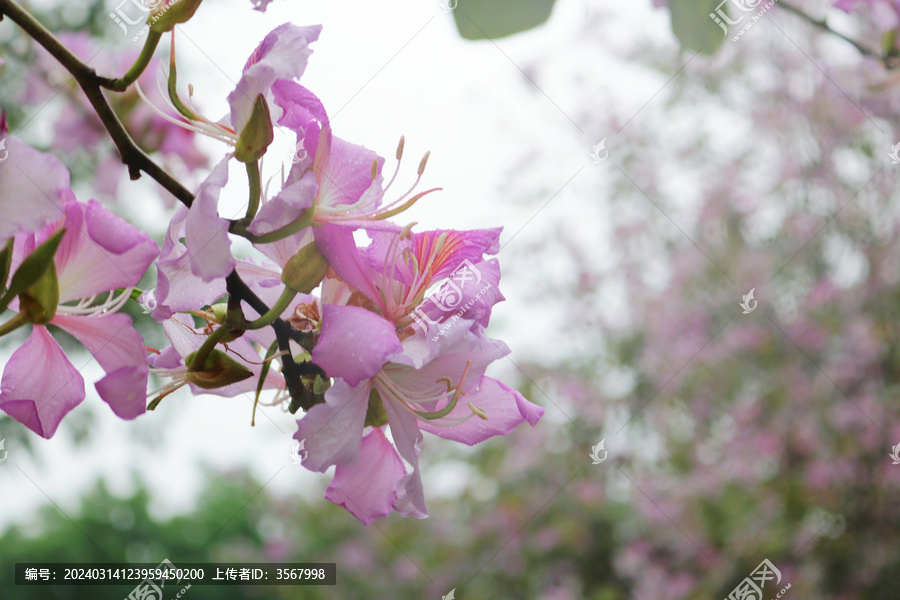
(491, 19)
(693, 26)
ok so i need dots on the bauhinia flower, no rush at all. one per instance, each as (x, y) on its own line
(99, 254)
(379, 382)
(397, 270)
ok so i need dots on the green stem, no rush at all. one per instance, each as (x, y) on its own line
(17, 321)
(121, 84)
(173, 88)
(208, 344)
(299, 224)
(255, 191)
(275, 312)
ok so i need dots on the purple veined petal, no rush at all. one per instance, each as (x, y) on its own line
(354, 343)
(119, 349)
(40, 386)
(100, 252)
(506, 409)
(206, 233)
(458, 246)
(282, 54)
(31, 187)
(368, 489)
(177, 288)
(337, 245)
(333, 431)
(408, 439)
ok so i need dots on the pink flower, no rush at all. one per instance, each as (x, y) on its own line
(443, 392)
(98, 254)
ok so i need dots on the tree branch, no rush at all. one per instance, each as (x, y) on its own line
(136, 160)
(824, 26)
(301, 396)
(91, 83)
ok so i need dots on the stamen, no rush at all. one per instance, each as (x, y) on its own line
(400, 147)
(423, 163)
(479, 412)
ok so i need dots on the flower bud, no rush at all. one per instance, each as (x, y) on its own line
(257, 133)
(35, 265)
(38, 303)
(166, 14)
(305, 270)
(218, 370)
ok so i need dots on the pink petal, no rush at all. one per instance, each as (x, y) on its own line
(40, 386)
(333, 430)
(100, 252)
(405, 431)
(337, 245)
(177, 288)
(31, 187)
(368, 489)
(206, 233)
(281, 55)
(505, 407)
(354, 343)
(119, 350)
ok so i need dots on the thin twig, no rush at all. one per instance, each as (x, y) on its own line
(92, 84)
(136, 160)
(824, 26)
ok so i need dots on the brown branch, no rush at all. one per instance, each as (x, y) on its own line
(91, 83)
(136, 160)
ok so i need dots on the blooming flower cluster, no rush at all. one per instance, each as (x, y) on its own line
(378, 343)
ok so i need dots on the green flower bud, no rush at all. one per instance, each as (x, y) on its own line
(218, 370)
(305, 270)
(35, 265)
(257, 133)
(38, 303)
(166, 14)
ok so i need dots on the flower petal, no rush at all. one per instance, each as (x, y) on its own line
(31, 186)
(282, 54)
(100, 252)
(405, 431)
(368, 489)
(206, 233)
(40, 386)
(337, 245)
(119, 349)
(505, 407)
(355, 343)
(333, 430)
(177, 288)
